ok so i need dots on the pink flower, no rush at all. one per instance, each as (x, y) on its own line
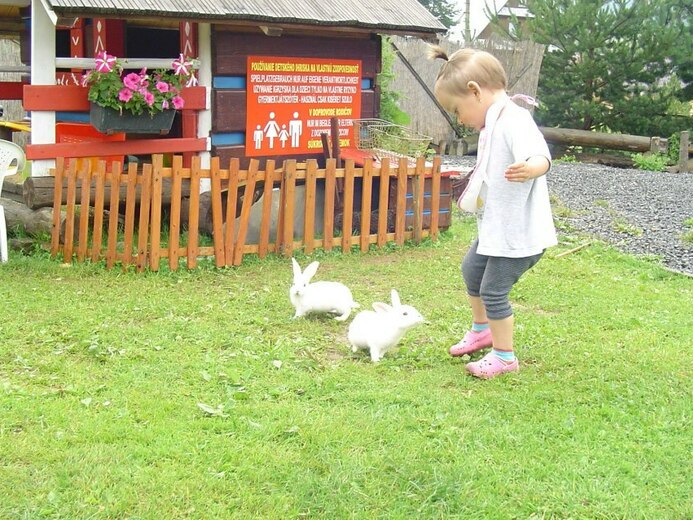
(104, 62)
(85, 79)
(125, 95)
(162, 86)
(132, 81)
(148, 97)
(164, 105)
(181, 67)
(178, 102)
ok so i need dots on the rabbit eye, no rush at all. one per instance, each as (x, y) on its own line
(405, 313)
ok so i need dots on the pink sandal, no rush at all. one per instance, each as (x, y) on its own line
(491, 366)
(472, 342)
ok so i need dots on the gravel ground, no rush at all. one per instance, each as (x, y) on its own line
(639, 212)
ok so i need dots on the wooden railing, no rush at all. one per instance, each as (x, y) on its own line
(73, 98)
(145, 239)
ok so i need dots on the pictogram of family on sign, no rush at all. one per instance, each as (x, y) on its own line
(273, 131)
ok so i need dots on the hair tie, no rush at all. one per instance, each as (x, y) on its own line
(527, 99)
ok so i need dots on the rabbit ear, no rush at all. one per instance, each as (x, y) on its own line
(395, 298)
(296, 268)
(310, 271)
(381, 307)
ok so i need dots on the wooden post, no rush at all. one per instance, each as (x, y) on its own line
(83, 215)
(245, 211)
(155, 254)
(435, 198)
(174, 216)
(188, 47)
(655, 145)
(112, 242)
(366, 196)
(129, 214)
(143, 229)
(401, 200)
(266, 209)
(328, 219)
(99, 185)
(683, 152)
(57, 202)
(309, 214)
(418, 198)
(383, 210)
(194, 213)
(348, 209)
(231, 207)
(217, 217)
(289, 202)
(334, 135)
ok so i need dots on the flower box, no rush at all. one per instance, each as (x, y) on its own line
(109, 121)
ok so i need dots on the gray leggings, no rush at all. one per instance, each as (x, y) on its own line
(492, 277)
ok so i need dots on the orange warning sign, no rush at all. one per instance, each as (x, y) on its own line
(291, 101)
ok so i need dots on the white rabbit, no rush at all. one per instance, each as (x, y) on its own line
(381, 330)
(323, 297)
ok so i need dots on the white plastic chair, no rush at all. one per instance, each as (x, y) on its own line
(12, 160)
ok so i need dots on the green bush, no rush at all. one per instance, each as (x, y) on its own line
(655, 162)
(389, 109)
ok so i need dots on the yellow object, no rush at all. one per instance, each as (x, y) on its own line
(24, 127)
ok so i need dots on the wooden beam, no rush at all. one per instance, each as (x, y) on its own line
(574, 137)
(74, 98)
(11, 90)
(105, 149)
(127, 63)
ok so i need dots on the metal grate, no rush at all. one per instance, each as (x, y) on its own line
(385, 139)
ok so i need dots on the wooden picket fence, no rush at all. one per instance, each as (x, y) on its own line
(139, 242)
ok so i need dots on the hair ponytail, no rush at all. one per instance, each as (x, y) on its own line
(436, 52)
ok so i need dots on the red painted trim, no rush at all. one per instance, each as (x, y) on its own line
(55, 97)
(73, 98)
(134, 147)
(11, 90)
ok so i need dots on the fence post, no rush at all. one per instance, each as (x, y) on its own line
(145, 208)
(418, 198)
(435, 198)
(155, 211)
(230, 219)
(330, 192)
(130, 214)
(366, 196)
(289, 185)
(217, 217)
(57, 203)
(348, 207)
(683, 151)
(248, 195)
(174, 213)
(100, 184)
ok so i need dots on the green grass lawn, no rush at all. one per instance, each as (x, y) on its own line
(194, 395)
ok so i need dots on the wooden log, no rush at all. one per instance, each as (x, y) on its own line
(617, 161)
(684, 152)
(573, 137)
(12, 188)
(32, 222)
(37, 222)
(37, 192)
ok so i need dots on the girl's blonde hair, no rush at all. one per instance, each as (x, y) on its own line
(465, 65)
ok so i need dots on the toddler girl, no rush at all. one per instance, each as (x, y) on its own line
(507, 190)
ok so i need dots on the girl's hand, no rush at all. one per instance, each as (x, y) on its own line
(525, 170)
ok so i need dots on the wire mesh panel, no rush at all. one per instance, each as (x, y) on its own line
(385, 139)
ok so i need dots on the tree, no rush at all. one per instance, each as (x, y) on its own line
(612, 64)
(444, 10)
